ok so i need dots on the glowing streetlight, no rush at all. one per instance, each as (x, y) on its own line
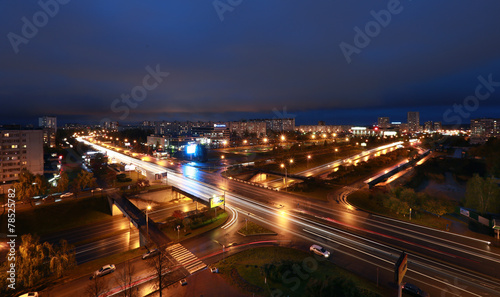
(283, 138)
(308, 157)
(222, 157)
(245, 141)
(265, 139)
(147, 219)
(283, 166)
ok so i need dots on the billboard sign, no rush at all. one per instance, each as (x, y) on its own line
(400, 268)
(216, 201)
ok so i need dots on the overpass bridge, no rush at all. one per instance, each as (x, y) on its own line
(121, 205)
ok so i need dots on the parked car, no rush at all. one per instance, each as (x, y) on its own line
(214, 270)
(183, 282)
(106, 269)
(150, 253)
(413, 290)
(319, 250)
(30, 294)
(96, 190)
(67, 195)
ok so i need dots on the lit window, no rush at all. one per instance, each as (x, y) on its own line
(6, 135)
(14, 146)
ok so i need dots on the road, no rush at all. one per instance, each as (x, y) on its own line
(439, 262)
(113, 236)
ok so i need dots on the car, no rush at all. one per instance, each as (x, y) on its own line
(67, 195)
(183, 282)
(30, 294)
(319, 250)
(413, 290)
(96, 190)
(150, 253)
(214, 270)
(106, 269)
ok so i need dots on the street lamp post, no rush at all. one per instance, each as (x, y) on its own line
(283, 166)
(308, 157)
(147, 219)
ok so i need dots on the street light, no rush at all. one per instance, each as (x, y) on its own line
(147, 219)
(308, 157)
(283, 138)
(283, 166)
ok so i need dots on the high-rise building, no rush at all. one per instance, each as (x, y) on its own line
(383, 122)
(49, 126)
(483, 129)
(429, 126)
(280, 125)
(19, 149)
(414, 121)
(241, 128)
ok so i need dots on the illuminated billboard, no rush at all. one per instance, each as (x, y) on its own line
(191, 149)
(216, 201)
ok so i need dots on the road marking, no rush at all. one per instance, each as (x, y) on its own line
(186, 258)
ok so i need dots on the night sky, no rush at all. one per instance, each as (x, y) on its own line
(248, 59)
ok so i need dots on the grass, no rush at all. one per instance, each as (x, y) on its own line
(363, 200)
(318, 192)
(254, 229)
(246, 271)
(213, 223)
(70, 213)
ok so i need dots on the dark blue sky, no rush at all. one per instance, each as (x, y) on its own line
(264, 55)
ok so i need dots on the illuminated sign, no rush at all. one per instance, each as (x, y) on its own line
(191, 149)
(219, 125)
(216, 201)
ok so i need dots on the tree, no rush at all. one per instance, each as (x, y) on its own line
(96, 287)
(35, 261)
(29, 185)
(437, 206)
(125, 280)
(482, 194)
(160, 265)
(84, 180)
(62, 182)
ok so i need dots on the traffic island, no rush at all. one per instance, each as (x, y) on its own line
(252, 229)
(279, 271)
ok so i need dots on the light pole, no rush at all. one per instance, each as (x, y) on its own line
(147, 219)
(308, 157)
(283, 166)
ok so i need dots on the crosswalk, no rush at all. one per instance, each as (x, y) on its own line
(186, 258)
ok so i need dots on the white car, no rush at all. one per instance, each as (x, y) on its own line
(150, 253)
(183, 282)
(319, 250)
(30, 294)
(106, 269)
(214, 270)
(67, 195)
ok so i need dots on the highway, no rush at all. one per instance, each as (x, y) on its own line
(113, 236)
(438, 261)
